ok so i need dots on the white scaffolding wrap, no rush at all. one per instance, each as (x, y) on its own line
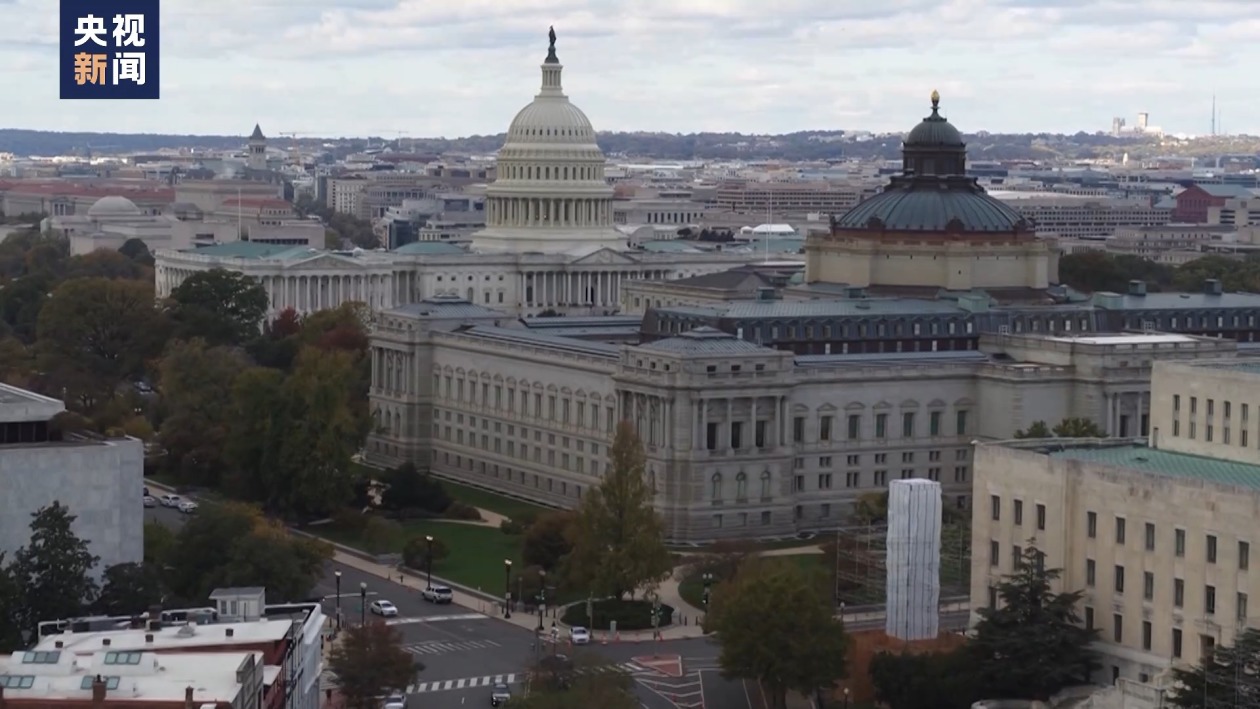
(914, 559)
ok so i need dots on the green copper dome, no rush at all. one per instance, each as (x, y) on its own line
(935, 130)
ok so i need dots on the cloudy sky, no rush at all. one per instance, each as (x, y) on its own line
(377, 67)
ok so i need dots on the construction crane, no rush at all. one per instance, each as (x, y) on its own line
(292, 135)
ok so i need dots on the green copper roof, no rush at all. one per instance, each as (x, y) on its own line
(935, 130)
(251, 250)
(933, 204)
(430, 248)
(1167, 463)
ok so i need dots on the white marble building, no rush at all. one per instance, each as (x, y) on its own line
(549, 242)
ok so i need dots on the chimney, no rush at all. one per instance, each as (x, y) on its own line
(231, 632)
(1137, 288)
(59, 644)
(98, 692)
(105, 642)
(188, 697)
(1212, 286)
(148, 637)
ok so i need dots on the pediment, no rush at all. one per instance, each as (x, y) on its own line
(603, 257)
(324, 262)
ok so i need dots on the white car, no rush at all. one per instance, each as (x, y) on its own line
(438, 594)
(187, 507)
(384, 609)
(170, 500)
(150, 501)
(394, 701)
(579, 635)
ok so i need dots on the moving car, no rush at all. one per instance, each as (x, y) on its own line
(150, 501)
(383, 608)
(500, 695)
(170, 500)
(187, 507)
(438, 594)
(579, 635)
(395, 701)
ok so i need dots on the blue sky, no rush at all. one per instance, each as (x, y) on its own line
(360, 67)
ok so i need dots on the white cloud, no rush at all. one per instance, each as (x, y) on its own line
(345, 67)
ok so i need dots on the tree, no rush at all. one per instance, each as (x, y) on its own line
(137, 251)
(196, 385)
(799, 647)
(549, 540)
(618, 538)
(1224, 679)
(584, 682)
(95, 334)
(306, 472)
(925, 680)
(370, 661)
(416, 552)
(409, 489)
(1032, 644)
(10, 607)
(220, 306)
(158, 542)
(1073, 427)
(104, 263)
(253, 427)
(871, 508)
(129, 589)
(54, 570)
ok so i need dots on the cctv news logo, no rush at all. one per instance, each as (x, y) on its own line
(109, 49)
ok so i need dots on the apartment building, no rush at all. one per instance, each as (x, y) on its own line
(1168, 243)
(1072, 216)
(1158, 533)
(782, 199)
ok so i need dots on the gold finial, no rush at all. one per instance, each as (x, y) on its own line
(936, 98)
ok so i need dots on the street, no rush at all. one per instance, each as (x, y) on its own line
(465, 652)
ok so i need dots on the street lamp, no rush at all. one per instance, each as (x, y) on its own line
(846, 698)
(708, 581)
(542, 598)
(428, 562)
(362, 603)
(507, 588)
(337, 575)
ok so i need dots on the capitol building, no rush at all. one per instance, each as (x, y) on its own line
(549, 245)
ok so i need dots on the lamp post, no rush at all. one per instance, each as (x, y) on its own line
(362, 603)
(846, 698)
(337, 575)
(542, 598)
(428, 562)
(708, 583)
(507, 588)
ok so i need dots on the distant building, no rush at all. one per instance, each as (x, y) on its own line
(100, 480)
(1194, 201)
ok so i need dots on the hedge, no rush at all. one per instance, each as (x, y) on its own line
(630, 615)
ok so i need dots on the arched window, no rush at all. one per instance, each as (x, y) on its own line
(741, 486)
(765, 483)
(716, 491)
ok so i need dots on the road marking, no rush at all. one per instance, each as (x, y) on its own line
(437, 647)
(435, 618)
(349, 595)
(491, 680)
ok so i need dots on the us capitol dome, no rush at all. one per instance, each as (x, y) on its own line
(549, 194)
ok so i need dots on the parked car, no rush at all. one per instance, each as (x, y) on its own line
(395, 701)
(187, 507)
(170, 500)
(383, 608)
(438, 594)
(150, 501)
(579, 635)
(500, 695)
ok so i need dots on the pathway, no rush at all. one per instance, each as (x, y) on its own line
(488, 519)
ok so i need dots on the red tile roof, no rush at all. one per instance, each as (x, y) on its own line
(62, 188)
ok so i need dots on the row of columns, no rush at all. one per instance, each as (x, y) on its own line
(560, 212)
(393, 372)
(542, 289)
(309, 293)
(774, 408)
(1127, 413)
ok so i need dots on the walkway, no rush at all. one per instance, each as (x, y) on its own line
(488, 519)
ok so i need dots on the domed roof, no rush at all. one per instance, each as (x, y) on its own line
(962, 207)
(550, 125)
(934, 130)
(113, 206)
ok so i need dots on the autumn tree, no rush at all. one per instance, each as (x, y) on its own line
(548, 541)
(104, 263)
(129, 588)
(799, 647)
(1032, 644)
(54, 570)
(370, 661)
(556, 682)
(618, 537)
(306, 470)
(219, 306)
(95, 334)
(196, 384)
(871, 508)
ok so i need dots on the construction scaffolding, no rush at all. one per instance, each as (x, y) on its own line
(860, 574)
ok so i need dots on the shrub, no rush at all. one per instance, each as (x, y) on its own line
(379, 535)
(526, 518)
(511, 527)
(415, 552)
(349, 520)
(461, 511)
(630, 615)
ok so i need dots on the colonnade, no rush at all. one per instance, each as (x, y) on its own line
(771, 410)
(1127, 413)
(542, 289)
(559, 212)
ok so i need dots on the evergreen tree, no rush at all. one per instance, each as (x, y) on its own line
(54, 571)
(1226, 679)
(1033, 644)
(619, 539)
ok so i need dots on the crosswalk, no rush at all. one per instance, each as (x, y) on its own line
(447, 685)
(437, 647)
(436, 618)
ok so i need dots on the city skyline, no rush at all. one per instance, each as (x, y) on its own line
(387, 67)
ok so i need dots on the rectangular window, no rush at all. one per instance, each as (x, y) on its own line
(1041, 517)
(1176, 642)
(961, 422)
(1179, 542)
(1119, 579)
(824, 428)
(934, 423)
(1209, 599)
(1017, 557)
(1091, 524)
(737, 435)
(995, 507)
(907, 425)
(759, 433)
(1018, 511)
(1117, 628)
(711, 436)
(1179, 593)
(1211, 548)
(1089, 617)
(1148, 585)
(1240, 606)
(1146, 635)
(1091, 573)
(1244, 555)
(1120, 530)
(798, 429)
(995, 553)
(855, 427)
(881, 425)
(1150, 536)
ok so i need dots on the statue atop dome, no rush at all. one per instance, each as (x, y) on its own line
(551, 48)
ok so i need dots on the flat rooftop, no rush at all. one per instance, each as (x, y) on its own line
(150, 678)
(1123, 339)
(1239, 366)
(1160, 462)
(170, 637)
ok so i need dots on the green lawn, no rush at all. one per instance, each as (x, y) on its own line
(486, 500)
(691, 588)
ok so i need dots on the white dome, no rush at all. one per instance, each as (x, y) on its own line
(551, 120)
(113, 206)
